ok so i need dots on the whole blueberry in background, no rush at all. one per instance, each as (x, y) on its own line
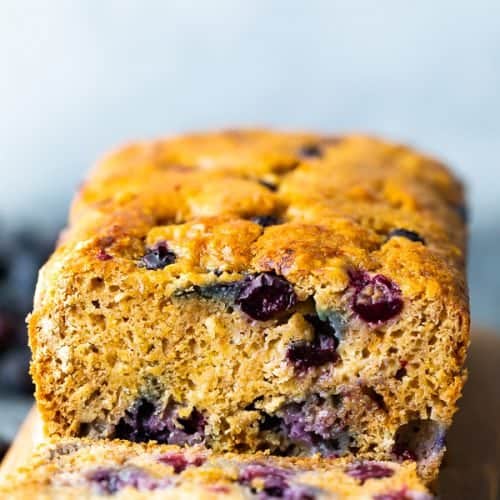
(22, 253)
(14, 374)
(158, 257)
(264, 296)
(7, 331)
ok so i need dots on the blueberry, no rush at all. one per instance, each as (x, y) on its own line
(405, 233)
(304, 355)
(109, 481)
(7, 331)
(274, 478)
(264, 296)
(103, 255)
(265, 220)
(158, 257)
(376, 299)
(419, 440)
(179, 462)
(144, 423)
(314, 426)
(14, 371)
(274, 482)
(311, 151)
(320, 351)
(369, 470)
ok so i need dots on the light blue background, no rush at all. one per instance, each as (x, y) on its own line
(80, 76)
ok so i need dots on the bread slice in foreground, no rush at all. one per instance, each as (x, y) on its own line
(89, 469)
(254, 290)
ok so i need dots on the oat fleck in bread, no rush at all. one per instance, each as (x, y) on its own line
(253, 290)
(98, 469)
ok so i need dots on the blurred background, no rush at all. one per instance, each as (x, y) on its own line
(80, 77)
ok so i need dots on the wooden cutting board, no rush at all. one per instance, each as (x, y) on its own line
(472, 465)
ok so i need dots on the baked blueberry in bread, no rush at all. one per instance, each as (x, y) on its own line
(255, 291)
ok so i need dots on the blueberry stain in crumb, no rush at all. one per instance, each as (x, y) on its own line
(405, 233)
(369, 470)
(264, 296)
(376, 299)
(273, 482)
(158, 257)
(179, 462)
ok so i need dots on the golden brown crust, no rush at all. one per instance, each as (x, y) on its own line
(105, 330)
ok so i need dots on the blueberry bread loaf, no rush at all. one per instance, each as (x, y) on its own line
(83, 469)
(254, 290)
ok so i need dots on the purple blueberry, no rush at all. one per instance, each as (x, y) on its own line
(158, 257)
(108, 481)
(144, 423)
(405, 233)
(419, 440)
(275, 483)
(180, 462)
(103, 255)
(311, 151)
(7, 331)
(322, 349)
(265, 220)
(304, 355)
(14, 371)
(103, 244)
(376, 299)
(369, 470)
(264, 296)
(314, 426)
